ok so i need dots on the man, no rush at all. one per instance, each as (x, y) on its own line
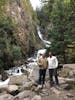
(52, 66)
(42, 62)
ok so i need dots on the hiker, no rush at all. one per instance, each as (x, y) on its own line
(42, 62)
(52, 66)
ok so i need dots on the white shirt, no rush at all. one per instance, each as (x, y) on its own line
(52, 62)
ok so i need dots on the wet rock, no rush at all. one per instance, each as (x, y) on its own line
(11, 88)
(37, 97)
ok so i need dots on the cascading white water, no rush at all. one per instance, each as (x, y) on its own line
(4, 83)
(45, 42)
(39, 33)
(41, 51)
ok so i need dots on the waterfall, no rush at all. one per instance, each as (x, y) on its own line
(45, 42)
(39, 33)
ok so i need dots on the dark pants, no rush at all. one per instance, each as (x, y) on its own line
(53, 74)
(42, 74)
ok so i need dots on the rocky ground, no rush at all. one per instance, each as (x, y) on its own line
(23, 88)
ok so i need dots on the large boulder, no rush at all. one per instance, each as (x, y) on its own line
(28, 84)
(37, 97)
(26, 99)
(13, 89)
(6, 97)
(19, 79)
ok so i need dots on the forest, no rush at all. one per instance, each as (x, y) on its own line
(57, 22)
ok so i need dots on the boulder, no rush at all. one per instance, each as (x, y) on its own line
(12, 88)
(56, 91)
(37, 97)
(26, 99)
(3, 91)
(6, 97)
(27, 85)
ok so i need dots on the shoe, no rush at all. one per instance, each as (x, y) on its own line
(39, 86)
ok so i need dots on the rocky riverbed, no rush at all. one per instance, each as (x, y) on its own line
(22, 87)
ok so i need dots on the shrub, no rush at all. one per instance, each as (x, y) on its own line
(16, 52)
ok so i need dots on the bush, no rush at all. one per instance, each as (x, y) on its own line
(4, 76)
(1, 64)
(16, 52)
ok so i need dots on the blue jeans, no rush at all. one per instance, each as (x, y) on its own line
(42, 74)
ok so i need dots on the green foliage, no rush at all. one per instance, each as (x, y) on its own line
(1, 64)
(16, 52)
(4, 76)
(6, 28)
(9, 49)
(2, 4)
(59, 21)
(6, 25)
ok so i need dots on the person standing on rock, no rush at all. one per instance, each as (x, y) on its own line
(52, 66)
(43, 64)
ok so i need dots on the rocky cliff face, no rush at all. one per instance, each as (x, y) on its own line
(24, 32)
(18, 37)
